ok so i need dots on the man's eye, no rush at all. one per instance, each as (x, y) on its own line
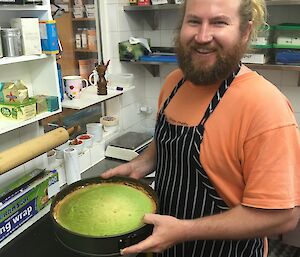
(193, 22)
(221, 23)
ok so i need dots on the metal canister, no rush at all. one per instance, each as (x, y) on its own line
(11, 42)
(1, 53)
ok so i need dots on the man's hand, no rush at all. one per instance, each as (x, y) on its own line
(137, 168)
(125, 169)
(167, 232)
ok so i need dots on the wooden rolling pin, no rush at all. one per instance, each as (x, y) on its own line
(30, 149)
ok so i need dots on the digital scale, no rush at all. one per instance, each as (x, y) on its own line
(128, 146)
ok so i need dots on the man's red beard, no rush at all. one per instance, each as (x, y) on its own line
(199, 72)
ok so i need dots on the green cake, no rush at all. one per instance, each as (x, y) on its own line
(106, 209)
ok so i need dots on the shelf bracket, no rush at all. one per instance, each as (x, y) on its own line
(153, 69)
(153, 19)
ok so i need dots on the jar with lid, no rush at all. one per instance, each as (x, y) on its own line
(11, 42)
(84, 38)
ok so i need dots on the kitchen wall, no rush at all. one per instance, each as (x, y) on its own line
(118, 25)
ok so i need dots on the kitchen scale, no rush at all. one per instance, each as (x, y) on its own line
(128, 146)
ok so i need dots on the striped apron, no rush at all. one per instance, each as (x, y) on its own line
(184, 189)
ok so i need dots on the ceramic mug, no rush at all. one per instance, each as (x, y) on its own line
(74, 86)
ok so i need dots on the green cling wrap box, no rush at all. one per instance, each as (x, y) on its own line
(18, 111)
(25, 201)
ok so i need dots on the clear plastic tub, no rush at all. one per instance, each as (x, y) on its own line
(287, 35)
(124, 80)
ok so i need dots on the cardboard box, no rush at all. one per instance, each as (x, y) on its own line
(31, 40)
(22, 204)
(18, 111)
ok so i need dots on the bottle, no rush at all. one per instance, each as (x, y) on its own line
(92, 43)
(78, 39)
(84, 39)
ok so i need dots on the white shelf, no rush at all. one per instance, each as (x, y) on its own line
(24, 8)
(23, 58)
(89, 97)
(8, 125)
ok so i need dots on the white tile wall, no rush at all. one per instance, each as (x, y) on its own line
(136, 24)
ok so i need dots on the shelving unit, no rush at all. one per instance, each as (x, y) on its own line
(152, 11)
(39, 72)
(152, 17)
(79, 37)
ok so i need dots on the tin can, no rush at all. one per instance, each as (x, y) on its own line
(11, 42)
(1, 53)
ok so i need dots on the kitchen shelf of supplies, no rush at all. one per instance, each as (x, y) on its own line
(89, 97)
(8, 125)
(152, 11)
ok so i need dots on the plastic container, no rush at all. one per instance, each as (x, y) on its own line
(287, 35)
(120, 80)
(87, 139)
(90, 10)
(287, 56)
(263, 38)
(258, 55)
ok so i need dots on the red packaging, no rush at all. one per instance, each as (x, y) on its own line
(144, 2)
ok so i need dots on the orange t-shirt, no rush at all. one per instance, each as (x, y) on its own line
(251, 144)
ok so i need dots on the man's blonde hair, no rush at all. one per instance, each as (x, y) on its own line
(255, 11)
(250, 10)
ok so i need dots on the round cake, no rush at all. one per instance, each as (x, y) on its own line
(105, 209)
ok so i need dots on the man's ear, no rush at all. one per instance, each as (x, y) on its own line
(247, 32)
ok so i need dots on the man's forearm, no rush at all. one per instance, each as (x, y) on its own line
(242, 223)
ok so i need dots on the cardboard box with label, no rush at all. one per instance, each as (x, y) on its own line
(31, 40)
(22, 203)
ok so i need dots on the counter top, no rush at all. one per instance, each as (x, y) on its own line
(39, 239)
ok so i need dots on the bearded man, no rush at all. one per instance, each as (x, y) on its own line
(226, 146)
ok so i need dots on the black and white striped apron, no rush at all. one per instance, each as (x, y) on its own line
(183, 187)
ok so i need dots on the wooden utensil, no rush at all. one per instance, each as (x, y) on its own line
(30, 149)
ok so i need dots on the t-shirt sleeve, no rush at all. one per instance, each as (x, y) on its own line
(272, 169)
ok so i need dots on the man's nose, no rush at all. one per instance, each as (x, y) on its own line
(204, 34)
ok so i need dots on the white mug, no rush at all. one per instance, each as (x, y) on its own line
(74, 86)
(93, 78)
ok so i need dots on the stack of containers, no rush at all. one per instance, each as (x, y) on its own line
(287, 43)
(260, 47)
